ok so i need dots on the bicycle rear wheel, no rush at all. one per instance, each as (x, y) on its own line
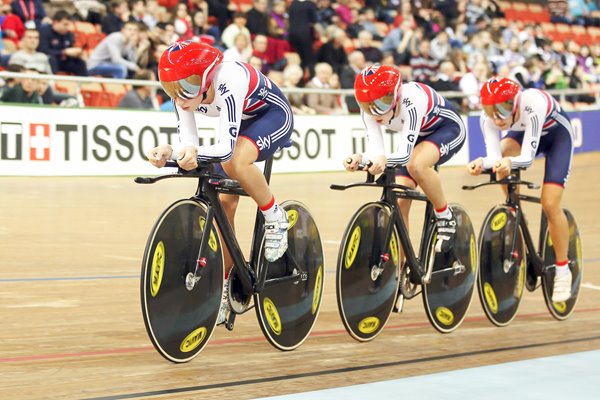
(287, 310)
(449, 294)
(564, 309)
(180, 321)
(500, 280)
(365, 302)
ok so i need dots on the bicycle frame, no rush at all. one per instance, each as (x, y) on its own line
(208, 189)
(391, 193)
(513, 200)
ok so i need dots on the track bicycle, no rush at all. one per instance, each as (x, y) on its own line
(509, 261)
(182, 272)
(371, 284)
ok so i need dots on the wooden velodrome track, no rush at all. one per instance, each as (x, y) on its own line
(71, 325)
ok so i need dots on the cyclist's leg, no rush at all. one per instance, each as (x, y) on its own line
(229, 203)
(558, 146)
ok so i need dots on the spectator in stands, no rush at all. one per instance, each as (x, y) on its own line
(440, 46)
(241, 51)
(323, 103)
(235, 28)
(28, 57)
(183, 22)
(90, 10)
(118, 13)
(256, 62)
(278, 20)
(580, 80)
(259, 49)
(12, 29)
(356, 63)
(202, 30)
(137, 11)
(512, 55)
(471, 84)
(139, 96)
(332, 51)
(302, 34)
(31, 12)
(326, 15)
(257, 18)
(446, 80)
(48, 95)
(365, 45)
(57, 41)
(366, 21)
(115, 56)
(423, 65)
(292, 78)
(24, 91)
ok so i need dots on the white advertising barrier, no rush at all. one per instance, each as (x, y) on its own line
(38, 141)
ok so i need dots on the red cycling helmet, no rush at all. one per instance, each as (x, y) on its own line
(376, 88)
(498, 97)
(186, 69)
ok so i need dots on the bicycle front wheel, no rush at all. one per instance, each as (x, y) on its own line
(448, 295)
(564, 309)
(366, 296)
(180, 318)
(502, 265)
(289, 304)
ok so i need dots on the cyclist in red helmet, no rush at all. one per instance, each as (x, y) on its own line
(431, 132)
(536, 124)
(255, 120)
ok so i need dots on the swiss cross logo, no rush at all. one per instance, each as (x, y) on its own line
(39, 142)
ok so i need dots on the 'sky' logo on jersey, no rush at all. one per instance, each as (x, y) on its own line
(223, 89)
(406, 102)
(444, 149)
(262, 93)
(264, 143)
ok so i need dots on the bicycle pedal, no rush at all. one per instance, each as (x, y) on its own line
(399, 304)
(230, 321)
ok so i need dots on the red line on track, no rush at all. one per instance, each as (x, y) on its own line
(331, 332)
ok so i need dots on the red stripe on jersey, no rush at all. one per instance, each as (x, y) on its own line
(430, 123)
(427, 91)
(254, 79)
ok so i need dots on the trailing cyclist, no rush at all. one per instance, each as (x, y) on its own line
(536, 124)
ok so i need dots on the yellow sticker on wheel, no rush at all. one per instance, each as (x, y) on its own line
(158, 267)
(352, 248)
(193, 340)
(490, 297)
(473, 253)
(292, 218)
(498, 221)
(368, 325)
(318, 288)
(444, 315)
(212, 240)
(394, 248)
(272, 316)
(560, 307)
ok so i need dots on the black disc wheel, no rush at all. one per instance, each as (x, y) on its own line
(448, 295)
(502, 265)
(563, 309)
(288, 305)
(367, 273)
(179, 313)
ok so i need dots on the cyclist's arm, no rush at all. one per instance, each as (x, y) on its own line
(375, 146)
(186, 129)
(412, 112)
(229, 96)
(491, 137)
(533, 114)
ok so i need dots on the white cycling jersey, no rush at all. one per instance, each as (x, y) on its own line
(420, 111)
(241, 92)
(538, 114)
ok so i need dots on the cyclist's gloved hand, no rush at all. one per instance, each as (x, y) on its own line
(351, 162)
(378, 164)
(159, 155)
(502, 166)
(187, 158)
(475, 167)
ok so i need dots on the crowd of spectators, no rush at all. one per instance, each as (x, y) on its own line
(452, 45)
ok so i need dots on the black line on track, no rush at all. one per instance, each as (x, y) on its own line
(339, 370)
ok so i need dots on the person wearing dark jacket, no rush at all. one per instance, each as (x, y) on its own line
(57, 41)
(257, 20)
(303, 15)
